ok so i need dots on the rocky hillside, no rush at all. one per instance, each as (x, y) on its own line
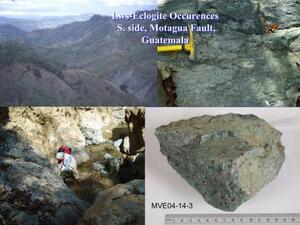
(31, 190)
(8, 32)
(31, 79)
(116, 62)
(252, 59)
(34, 84)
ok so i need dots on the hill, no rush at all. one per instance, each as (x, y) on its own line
(32, 84)
(8, 32)
(29, 79)
(95, 48)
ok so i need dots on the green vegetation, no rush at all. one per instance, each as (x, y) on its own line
(14, 52)
(11, 53)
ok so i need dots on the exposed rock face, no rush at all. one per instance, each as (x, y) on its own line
(31, 192)
(47, 128)
(112, 121)
(241, 64)
(227, 158)
(90, 124)
(120, 205)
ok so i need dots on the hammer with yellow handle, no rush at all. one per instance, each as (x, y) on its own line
(190, 47)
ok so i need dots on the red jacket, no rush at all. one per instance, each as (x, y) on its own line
(65, 149)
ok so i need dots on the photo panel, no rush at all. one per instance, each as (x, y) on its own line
(75, 53)
(229, 53)
(149, 112)
(221, 161)
(64, 165)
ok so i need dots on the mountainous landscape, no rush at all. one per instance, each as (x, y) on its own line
(81, 63)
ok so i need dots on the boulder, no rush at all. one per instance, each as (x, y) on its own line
(81, 155)
(31, 190)
(226, 158)
(120, 205)
(112, 163)
(99, 167)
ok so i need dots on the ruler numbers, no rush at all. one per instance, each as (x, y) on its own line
(267, 219)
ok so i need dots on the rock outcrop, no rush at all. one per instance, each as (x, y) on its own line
(47, 128)
(120, 205)
(226, 158)
(251, 60)
(90, 124)
(31, 191)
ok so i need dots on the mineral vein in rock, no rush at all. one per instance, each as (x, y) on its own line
(226, 158)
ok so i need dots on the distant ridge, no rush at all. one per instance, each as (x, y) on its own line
(31, 24)
(101, 58)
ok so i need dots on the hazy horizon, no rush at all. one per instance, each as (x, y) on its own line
(59, 8)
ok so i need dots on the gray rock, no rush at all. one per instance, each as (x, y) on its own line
(31, 191)
(226, 158)
(81, 155)
(112, 163)
(91, 128)
(122, 204)
(100, 168)
(240, 64)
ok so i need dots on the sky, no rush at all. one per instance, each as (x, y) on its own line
(42, 8)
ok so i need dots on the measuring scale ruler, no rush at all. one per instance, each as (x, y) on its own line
(243, 219)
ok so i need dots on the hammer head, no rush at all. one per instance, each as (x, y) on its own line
(191, 46)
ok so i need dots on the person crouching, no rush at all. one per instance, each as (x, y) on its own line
(67, 166)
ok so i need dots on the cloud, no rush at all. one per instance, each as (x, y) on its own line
(129, 2)
(67, 7)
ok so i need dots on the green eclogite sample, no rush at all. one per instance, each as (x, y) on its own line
(226, 158)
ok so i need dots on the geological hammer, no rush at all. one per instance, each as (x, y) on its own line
(190, 47)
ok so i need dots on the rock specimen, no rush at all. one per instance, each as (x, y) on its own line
(227, 158)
